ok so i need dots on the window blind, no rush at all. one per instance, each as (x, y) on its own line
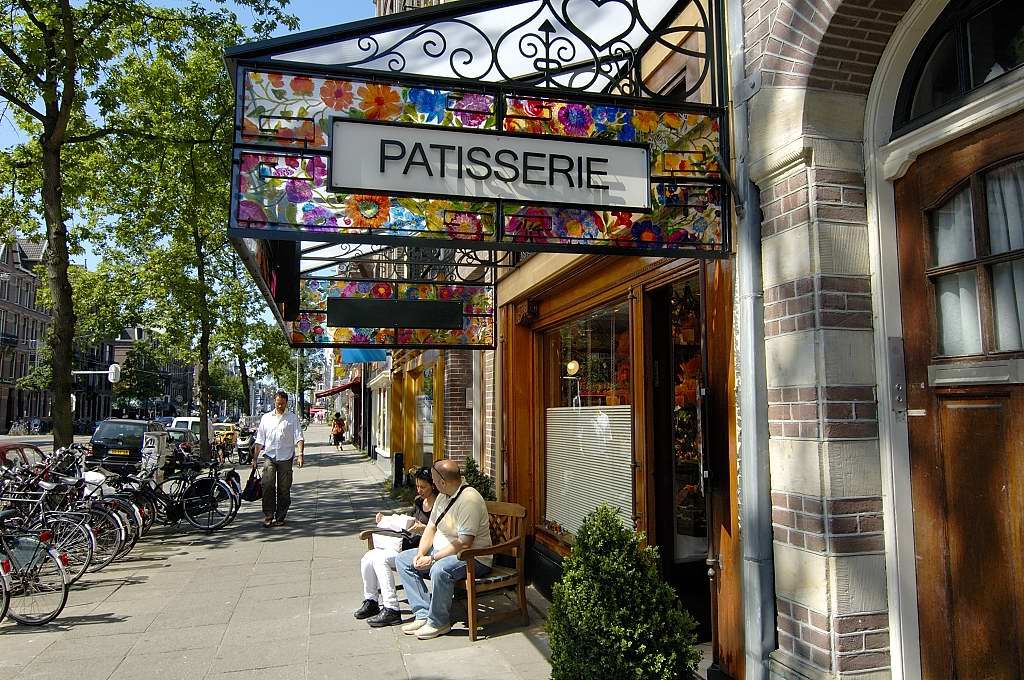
(589, 461)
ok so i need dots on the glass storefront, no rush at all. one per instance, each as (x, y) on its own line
(425, 416)
(588, 418)
(688, 463)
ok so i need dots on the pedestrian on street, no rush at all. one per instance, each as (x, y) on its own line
(279, 437)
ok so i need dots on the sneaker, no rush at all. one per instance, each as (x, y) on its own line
(413, 626)
(386, 617)
(428, 632)
(368, 609)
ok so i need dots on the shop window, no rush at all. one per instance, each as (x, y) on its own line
(973, 43)
(425, 416)
(977, 265)
(588, 418)
(689, 500)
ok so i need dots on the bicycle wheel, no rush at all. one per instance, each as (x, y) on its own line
(39, 589)
(207, 504)
(5, 587)
(72, 538)
(132, 519)
(107, 530)
(147, 506)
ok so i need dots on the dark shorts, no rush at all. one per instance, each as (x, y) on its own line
(337, 438)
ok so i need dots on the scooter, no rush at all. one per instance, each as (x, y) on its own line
(245, 445)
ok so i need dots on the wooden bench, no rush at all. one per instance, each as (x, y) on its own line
(508, 547)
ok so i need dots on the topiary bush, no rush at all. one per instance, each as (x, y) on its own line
(478, 480)
(612, 615)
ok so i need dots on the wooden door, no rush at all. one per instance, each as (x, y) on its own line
(961, 250)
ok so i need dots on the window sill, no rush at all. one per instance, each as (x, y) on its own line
(997, 372)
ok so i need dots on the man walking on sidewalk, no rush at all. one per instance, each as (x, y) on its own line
(279, 437)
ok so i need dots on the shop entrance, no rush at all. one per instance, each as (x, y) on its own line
(961, 241)
(680, 485)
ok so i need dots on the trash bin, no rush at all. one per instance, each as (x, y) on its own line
(398, 469)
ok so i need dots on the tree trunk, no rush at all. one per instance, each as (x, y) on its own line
(204, 347)
(244, 374)
(62, 337)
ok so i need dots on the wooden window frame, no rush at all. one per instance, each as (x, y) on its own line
(954, 19)
(981, 264)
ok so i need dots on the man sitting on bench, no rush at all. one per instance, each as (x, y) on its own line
(458, 521)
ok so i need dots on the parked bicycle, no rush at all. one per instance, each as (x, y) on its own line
(36, 572)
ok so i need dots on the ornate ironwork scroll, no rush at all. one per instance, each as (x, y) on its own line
(595, 46)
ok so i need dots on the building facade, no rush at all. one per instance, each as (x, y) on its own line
(822, 430)
(23, 323)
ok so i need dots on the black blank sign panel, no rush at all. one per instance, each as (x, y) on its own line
(371, 313)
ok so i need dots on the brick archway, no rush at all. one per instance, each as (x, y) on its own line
(821, 44)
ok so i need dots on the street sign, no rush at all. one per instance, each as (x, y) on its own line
(114, 373)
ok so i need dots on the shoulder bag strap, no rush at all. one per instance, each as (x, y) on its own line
(448, 507)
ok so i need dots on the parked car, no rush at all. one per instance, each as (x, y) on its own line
(18, 453)
(191, 423)
(117, 444)
(226, 434)
(166, 421)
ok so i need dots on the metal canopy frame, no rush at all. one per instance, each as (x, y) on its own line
(567, 46)
(591, 52)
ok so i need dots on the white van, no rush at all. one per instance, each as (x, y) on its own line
(192, 423)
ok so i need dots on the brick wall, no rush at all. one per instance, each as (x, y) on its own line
(829, 45)
(458, 420)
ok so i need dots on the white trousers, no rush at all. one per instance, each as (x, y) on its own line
(377, 566)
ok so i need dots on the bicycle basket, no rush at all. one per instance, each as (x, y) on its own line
(25, 552)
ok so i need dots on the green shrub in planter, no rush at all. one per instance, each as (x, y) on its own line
(478, 480)
(612, 615)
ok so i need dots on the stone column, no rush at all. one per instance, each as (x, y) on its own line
(823, 427)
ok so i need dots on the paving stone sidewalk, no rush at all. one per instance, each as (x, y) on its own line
(250, 603)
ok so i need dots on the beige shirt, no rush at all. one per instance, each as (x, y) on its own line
(467, 517)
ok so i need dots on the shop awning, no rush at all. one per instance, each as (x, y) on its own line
(338, 388)
(360, 356)
(588, 127)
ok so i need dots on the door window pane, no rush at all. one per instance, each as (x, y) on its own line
(996, 41)
(939, 83)
(956, 303)
(1004, 194)
(1008, 305)
(953, 231)
(690, 507)
(425, 417)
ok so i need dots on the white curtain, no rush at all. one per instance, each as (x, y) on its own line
(953, 231)
(959, 321)
(1004, 190)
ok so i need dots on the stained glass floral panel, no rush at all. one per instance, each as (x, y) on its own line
(312, 328)
(296, 110)
(285, 189)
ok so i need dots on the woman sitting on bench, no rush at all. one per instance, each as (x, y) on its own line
(378, 564)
